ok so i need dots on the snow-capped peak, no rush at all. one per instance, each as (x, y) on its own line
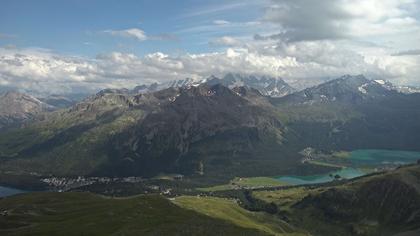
(379, 81)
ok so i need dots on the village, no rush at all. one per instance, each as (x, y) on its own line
(63, 184)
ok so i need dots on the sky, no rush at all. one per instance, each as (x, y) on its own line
(57, 46)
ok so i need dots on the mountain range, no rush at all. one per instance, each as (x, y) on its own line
(209, 129)
(268, 86)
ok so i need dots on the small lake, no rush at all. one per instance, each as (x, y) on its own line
(6, 191)
(369, 158)
(347, 173)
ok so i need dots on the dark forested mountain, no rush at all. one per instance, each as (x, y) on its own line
(353, 112)
(197, 120)
(176, 129)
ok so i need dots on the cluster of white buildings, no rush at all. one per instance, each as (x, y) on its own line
(63, 183)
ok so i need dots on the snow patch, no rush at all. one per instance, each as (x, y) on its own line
(362, 89)
(379, 81)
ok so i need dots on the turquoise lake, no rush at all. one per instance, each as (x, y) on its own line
(375, 157)
(5, 191)
(347, 173)
(371, 158)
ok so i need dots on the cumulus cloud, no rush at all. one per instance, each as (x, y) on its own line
(135, 33)
(298, 40)
(307, 20)
(47, 72)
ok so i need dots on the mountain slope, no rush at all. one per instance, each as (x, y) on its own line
(347, 89)
(211, 130)
(59, 101)
(350, 113)
(88, 214)
(196, 116)
(17, 108)
(172, 130)
(73, 140)
(381, 204)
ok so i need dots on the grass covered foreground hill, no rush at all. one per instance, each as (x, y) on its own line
(88, 214)
(230, 211)
(380, 204)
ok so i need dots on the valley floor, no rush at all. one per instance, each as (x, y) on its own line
(385, 203)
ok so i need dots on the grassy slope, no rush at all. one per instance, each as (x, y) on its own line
(62, 137)
(251, 182)
(284, 198)
(88, 214)
(316, 112)
(373, 205)
(230, 211)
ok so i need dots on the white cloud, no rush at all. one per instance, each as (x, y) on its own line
(301, 39)
(47, 72)
(307, 20)
(221, 22)
(135, 33)
(226, 41)
(219, 8)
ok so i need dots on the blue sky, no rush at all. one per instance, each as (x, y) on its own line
(77, 26)
(58, 46)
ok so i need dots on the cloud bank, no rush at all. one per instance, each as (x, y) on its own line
(298, 40)
(48, 72)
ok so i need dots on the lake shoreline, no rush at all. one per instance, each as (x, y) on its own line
(7, 191)
(361, 162)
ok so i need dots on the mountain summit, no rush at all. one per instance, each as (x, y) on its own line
(17, 108)
(346, 89)
(171, 130)
(268, 86)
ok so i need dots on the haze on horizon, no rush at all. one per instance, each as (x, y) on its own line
(82, 46)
